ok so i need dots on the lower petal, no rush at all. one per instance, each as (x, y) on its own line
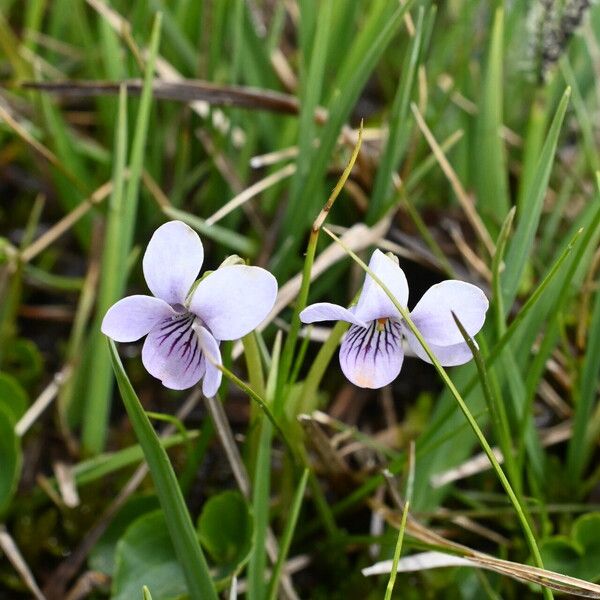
(211, 358)
(172, 353)
(372, 357)
(448, 356)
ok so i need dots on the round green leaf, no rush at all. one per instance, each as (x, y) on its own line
(11, 457)
(13, 396)
(24, 360)
(145, 556)
(577, 555)
(102, 556)
(225, 528)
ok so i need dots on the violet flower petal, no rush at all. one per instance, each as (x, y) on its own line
(211, 355)
(325, 311)
(172, 261)
(374, 302)
(172, 353)
(133, 317)
(433, 313)
(234, 299)
(448, 356)
(371, 358)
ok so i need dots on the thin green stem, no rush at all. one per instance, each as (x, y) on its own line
(392, 580)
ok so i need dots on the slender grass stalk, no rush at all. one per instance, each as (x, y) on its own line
(497, 264)
(117, 247)
(290, 342)
(399, 127)
(180, 526)
(397, 551)
(260, 401)
(463, 407)
(529, 212)
(288, 534)
(262, 485)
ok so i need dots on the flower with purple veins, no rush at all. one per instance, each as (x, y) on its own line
(183, 325)
(371, 352)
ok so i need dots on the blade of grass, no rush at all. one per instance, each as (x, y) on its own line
(311, 85)
(399, 127)
(366, 50)
(490, 172)
(228, 238)
(119, 237)
(288, 534)
(397, 551)
(261, 489)
(180, 526)
(528, 214)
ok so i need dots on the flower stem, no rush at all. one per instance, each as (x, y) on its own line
(290, 342)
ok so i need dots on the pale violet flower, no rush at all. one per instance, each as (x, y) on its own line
(184, 329)
(371, 353)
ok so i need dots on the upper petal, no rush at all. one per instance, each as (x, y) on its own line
(234, 299)
(448, 356)
(133, 317)
(374, 303)
(433, 313)
(172, 353)
(372, 358)
(172, 261)
(326, 311)
(211, 356)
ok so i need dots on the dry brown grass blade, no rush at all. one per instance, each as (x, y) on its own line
(10, 549)
(465, 200)
(517, 571)
(189, 90)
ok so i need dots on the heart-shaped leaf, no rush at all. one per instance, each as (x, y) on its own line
(102, 556)
(579, 554)
(13, 396)
(145, 556)
(225, 528)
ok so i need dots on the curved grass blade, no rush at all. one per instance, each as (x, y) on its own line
(529, 212)
(181, 529)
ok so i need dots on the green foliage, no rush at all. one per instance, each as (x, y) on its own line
(13, 397)
(145, 556)
(522, 145)
(11, 457)
(225, 529)
(576, 554)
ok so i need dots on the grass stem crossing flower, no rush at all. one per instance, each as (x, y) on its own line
(184, 328)
(371, 353)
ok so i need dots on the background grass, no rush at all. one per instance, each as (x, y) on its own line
(470, 109)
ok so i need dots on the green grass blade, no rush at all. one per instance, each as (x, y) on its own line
(397, 551)
(228, 238)
(288, 534)
(399, 127)
(181, 529)
(261, 490)
(311, 88)
(490, 172)
(360, 62)
(528, 214)
(119, 238)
